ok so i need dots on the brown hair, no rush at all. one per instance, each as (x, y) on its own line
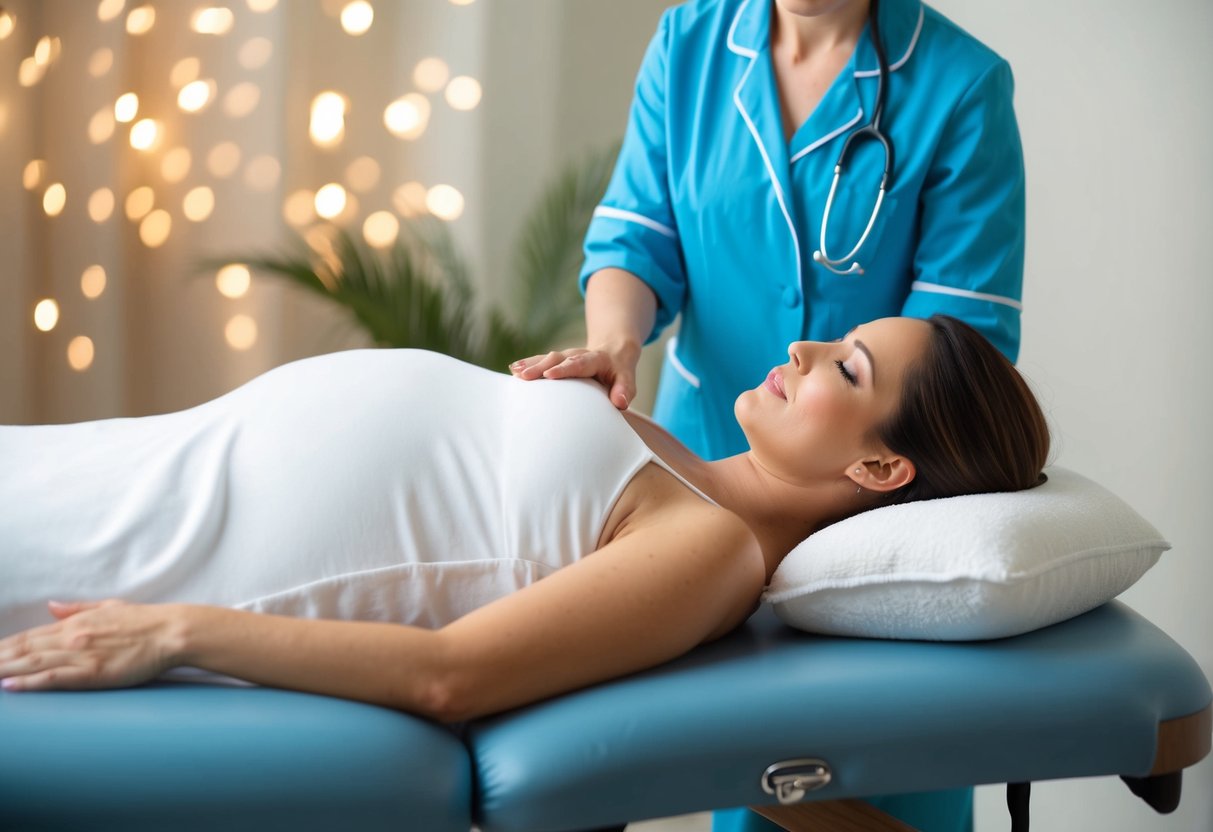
(967, 420)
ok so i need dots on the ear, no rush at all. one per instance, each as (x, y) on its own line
(883, 474)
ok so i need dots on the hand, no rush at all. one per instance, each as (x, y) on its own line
(614, 369)
(94, 644)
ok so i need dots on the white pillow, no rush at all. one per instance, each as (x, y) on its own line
(962, 568)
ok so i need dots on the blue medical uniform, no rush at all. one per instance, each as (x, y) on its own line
(720, 215)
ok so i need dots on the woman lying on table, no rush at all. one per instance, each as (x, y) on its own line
(397, 527)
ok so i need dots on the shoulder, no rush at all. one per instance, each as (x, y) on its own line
(945, 45)
(701, 23)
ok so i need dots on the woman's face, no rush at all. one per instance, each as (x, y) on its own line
(814, 418)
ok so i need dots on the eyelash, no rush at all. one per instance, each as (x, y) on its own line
(846, 375)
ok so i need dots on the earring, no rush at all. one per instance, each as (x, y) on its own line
(858, 488)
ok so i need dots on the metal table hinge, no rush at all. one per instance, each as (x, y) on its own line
(791, 780)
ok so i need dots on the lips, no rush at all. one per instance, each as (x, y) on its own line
(774, 383)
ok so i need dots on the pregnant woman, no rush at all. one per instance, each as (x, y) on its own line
(396, 527)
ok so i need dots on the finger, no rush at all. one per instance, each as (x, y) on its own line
(35, 662)
(538, 368)
(522, 363)
(623, 391)
(65, 609)
(55, 678)
(581, 365)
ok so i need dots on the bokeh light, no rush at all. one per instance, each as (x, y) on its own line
(54, 200)
(141, 20)
(409, 199)
(240, 332)
(175, 165)
(30, 72)
(101, 126)
(7, 23)
(444, 202)
(233, 280)
(184, 71)
(381, 229)
(107, 10)
(223, 159)
(463, 93)
(100, 62)
(259, 6)
(462, 2)
(407, 116)
(331, 200)
(431, 74)
(212, 20)
(155, 228)
(92, 282)
(299, 208)
(241, 99)
(31, 177)
(101, 205)
(198, 204)
(46, 314)
(139, 203)
(357, 17)
(195, 95)
(255, 53)
(328, 119)
(362, 174)
(126, 107)
(262, 173)
(145, 133)
(46, 50)
(80, 353)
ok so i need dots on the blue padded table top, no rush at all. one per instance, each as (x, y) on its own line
(1081, 698)
(205, 757)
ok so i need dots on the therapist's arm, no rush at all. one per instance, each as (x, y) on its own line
(970, 254)
(620, 310)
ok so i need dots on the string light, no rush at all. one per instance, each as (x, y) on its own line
(46, 315)
(141, 20)
(357, 17)
(328, 119)
(463, 93)
(184, 71)
(101, 126)
(444, 202)
(101, 205)
(330, 200)
(54, 199)
(107, 10)
(31, 177)
(155, 228)
(126, 107)
(145, 133)
(407, 116)
(431, 74)
(381, 229)
(241, 332)
(7, 23)
(80, 353)
(194, 96)
(198, 204)
(139, 203)
(92, 282)
(213, 20)
(259, 6)
(233, 280)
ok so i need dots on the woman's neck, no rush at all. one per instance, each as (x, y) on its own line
(801, 34)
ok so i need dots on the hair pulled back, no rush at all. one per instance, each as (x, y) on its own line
(967, 420)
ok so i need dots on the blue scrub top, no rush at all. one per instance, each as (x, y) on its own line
(712, 208)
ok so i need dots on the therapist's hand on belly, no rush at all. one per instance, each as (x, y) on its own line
(613, 369)
(95, 644)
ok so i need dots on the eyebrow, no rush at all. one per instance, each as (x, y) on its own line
(871, 362)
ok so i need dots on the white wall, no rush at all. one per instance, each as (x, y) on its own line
(1113, 98)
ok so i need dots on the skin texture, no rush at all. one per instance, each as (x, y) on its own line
(673, 572)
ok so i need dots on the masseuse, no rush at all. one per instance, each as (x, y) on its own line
(720, 208)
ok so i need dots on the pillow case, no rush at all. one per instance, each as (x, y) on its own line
(980, 566)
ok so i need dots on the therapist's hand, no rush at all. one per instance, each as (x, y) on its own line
(94, 644)
(614, 369)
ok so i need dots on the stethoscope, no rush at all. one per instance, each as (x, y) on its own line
(870, 130)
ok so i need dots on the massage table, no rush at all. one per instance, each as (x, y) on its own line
(796, 725)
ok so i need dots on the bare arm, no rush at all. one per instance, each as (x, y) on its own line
(620, 310)
(650, 595)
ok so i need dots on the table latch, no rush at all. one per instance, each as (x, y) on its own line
(791, 780)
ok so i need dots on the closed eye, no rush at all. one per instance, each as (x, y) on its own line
(842, 368)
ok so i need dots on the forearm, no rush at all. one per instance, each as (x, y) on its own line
(384, 664)
(620, 310)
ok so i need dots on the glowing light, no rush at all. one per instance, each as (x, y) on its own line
(255, 53)
(31, 177)
(101, 205)
(330, 200)
(381, 229)
(262, 173)
(155, 228)
(107, 10)
(141, 20)
(431, 74)
(444, 202)
(139, 203)
(362, 174)
(101, 126)
(100, 62)
(241, 99)
(240, 332)
(184, 71)
(328, 119)
(194, 96)
(199, 203)
(30, 72)
(54, 199)
(80, 353)
(215, 20)
(299, 208)
(126, 107)
(356, 17)
(42, 51)
(92, 282)
(463, 93)
(175, 165)
(259, 6)
(145, 133)
(233, 280)
(7, 24)
(46, 315)
(223, 159)
(407, 116)
(462, 2)
(409, 199)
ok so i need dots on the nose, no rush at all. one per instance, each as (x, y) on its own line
(799, 351)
